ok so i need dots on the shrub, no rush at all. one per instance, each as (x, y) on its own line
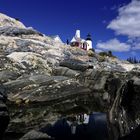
(92, 50)
(101, 58)
(91, 53)
(109, 54)
(103, 54)
(17, 19)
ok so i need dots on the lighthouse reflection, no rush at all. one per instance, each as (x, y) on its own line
(81, 126)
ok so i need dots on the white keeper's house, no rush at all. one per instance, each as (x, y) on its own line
(77, 41)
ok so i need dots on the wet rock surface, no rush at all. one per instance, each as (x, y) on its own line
(4, 115)
(35, 135)
(46, 80)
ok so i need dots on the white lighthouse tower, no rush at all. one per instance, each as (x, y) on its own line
(77, 34)
(89, 42)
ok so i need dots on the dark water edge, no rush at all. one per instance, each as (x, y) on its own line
(12, 136)
(61, 130)
(95, 130)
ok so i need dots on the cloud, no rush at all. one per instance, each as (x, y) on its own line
(128, 20)
(98, 50)
(113, 45)
(136, 46)
(135, 43)
(126, 23)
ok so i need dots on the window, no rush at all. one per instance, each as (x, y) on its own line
(85, 46)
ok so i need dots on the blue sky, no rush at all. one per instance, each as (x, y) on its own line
(113, 24)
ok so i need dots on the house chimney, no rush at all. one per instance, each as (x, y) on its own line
(77, 35)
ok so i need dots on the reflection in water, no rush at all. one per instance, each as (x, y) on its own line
(82, 126)
(134, 135)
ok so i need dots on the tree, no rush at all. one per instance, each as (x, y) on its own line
(110, 53)
(67, 42)
(133, 60)
(17, 19)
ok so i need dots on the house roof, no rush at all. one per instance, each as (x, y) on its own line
(56, 38)
(83, 40)
(73, 39)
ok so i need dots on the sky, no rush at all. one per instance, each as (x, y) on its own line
(113, 24)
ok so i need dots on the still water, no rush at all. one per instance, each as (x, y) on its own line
(95, 129)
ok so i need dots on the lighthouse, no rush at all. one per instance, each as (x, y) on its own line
(89, 42)
(84, 44)
(77, 34)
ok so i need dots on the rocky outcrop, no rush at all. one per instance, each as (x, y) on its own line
(4, 115)
(8, 21)
(35, 135)
(14, 31)
(46, 80)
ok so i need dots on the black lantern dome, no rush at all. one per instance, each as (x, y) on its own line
(89, 37)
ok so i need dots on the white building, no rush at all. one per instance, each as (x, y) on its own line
(86, 119)
(77, 41)
(56, 38)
